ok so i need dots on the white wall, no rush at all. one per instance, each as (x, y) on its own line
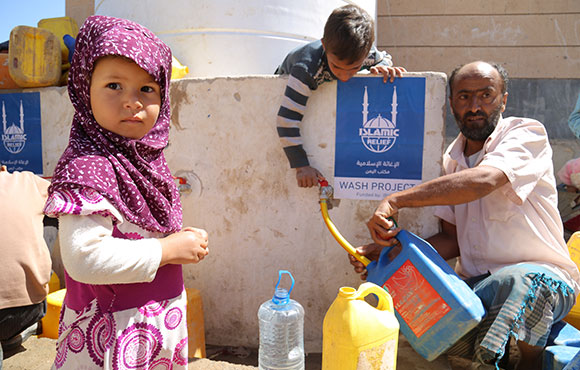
(224, 142)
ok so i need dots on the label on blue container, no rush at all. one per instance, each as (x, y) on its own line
(415, 300)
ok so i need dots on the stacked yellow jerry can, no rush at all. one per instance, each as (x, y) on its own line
(54, 301)
(37, 56)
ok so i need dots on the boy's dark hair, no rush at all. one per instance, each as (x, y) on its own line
(349, 33)
(498, 67)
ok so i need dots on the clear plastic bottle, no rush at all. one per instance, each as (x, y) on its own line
(281, 331)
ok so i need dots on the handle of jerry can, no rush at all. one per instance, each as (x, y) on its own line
(386, 250)
(280, 272)
(385, 301)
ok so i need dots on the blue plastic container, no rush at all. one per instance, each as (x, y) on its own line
(564, 334)
(433, 305)
(558, 357)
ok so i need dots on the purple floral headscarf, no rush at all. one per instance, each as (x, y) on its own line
(132, 174)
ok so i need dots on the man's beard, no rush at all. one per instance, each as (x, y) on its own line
(478, 133)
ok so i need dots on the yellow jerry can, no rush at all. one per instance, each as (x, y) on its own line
(195, 325)
(61, 26)
(54, 303)
(178, 70)
(358, 336)
(34, 57)
(6, 82)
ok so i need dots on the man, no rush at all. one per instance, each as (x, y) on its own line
(25, 258)
(498, 209)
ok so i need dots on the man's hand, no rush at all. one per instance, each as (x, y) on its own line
(388, 72)
(381, 227)
(371, 251)
(307, 176)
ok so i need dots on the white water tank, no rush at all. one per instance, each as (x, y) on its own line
(230, 37)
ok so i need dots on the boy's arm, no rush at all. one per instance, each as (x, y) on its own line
(290, 116)
(377, 58)
(380, 62)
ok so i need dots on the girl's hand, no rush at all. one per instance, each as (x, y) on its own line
(186, 246)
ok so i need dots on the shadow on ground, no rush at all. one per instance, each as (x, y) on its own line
(38, 354)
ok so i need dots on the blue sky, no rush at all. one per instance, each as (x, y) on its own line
(27, 13)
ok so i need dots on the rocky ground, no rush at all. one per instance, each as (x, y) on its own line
(38, 354)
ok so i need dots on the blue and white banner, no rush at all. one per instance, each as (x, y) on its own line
(379, 136)
(21, 148)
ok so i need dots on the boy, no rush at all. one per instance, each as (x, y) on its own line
(345, 48)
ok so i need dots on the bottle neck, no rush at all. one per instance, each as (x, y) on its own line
(281, 297)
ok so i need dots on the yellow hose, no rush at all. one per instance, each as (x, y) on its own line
(339, 238)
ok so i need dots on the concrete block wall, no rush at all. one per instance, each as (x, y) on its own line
(223, 141)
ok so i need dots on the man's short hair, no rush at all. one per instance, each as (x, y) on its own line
(349, 33)
(498, 67)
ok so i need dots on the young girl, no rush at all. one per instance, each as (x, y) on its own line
(116, 201)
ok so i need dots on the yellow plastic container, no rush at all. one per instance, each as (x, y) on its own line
(50, 320)
(195, 326)
(357, 335)
(178, 70)
(6, 82)
(53, 283)
(61, 26)
(34, 57)
(573, 317)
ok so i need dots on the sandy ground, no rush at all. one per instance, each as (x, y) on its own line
(38, 354)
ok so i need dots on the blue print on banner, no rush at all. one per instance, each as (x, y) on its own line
(379, 136)
(21, 148)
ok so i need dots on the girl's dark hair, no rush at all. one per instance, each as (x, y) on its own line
(349, 33)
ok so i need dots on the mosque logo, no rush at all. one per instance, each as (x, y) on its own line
(13, 136)
(378, 134)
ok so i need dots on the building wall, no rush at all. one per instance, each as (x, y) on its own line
(531, 38)
(223, 140)
(538, 42)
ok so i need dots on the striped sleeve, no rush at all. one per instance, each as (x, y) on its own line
(377, 57)
(290, 115)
